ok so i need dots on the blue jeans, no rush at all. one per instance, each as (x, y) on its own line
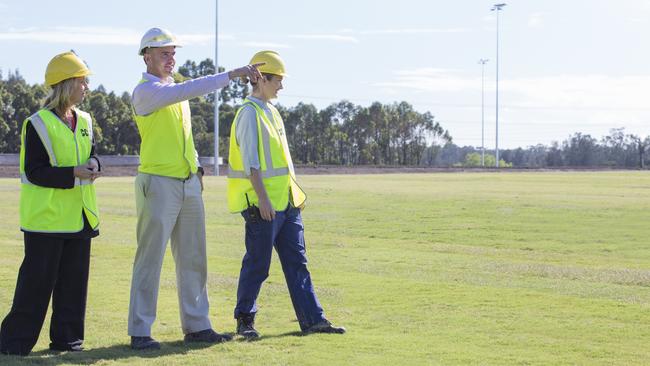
(285, 233)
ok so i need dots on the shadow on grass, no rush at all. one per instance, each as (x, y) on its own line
(95, 355)
(119, 351)
(286, 334)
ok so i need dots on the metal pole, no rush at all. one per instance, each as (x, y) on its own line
(497, 8)
(497, 98)
(216, 92)
(483, 61)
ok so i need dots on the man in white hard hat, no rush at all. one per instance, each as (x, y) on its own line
(168, 191)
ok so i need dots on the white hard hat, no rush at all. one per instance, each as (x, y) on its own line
(157, 37)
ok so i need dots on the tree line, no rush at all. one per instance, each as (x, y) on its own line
(616, 150)
(342, 133)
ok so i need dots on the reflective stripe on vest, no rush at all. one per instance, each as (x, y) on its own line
(39, 126)
(77, 181)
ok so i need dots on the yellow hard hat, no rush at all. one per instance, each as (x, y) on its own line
(65, 66)
(273, 63)
(157, 37)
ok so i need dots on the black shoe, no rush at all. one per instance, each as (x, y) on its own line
(75, 346)
(324, 326)
(207, 336)
(142, 343)
(246, 327)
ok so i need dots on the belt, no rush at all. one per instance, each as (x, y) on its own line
(186, 178)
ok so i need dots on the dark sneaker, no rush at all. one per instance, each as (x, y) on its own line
(75, 346)
(207, 336)
(142, 343)
(324, 326)
(246, 327)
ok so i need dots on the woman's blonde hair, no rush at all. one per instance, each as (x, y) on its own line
(60, 94)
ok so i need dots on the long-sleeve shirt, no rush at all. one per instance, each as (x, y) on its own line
(40, 172)
(246, 133)
(157, 93)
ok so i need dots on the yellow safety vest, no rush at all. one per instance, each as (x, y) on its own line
(56, 210)
(167, 146)
(276, 167)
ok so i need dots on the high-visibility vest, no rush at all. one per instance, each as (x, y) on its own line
(57, 210)
(167, 146)
(276, 167)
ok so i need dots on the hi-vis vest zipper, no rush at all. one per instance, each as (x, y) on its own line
(56, 210)
(276, 167)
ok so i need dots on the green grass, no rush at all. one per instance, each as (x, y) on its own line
(457, 268)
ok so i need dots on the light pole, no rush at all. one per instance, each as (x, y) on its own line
(497, 8)
(216, 92)
(483, 61)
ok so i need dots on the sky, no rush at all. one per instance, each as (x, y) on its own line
(564, 66)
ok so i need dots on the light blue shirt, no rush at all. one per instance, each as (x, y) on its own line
(156, 93)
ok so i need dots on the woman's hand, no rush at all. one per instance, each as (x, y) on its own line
(90, 170)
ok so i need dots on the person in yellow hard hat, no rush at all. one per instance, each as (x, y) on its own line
(262, 186)
(58, 214)
(168, 193)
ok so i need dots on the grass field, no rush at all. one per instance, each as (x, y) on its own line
(450, 268)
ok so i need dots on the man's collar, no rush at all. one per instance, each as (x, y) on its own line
(154, 78)
(258, 101)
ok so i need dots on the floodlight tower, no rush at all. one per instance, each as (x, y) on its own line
(497, 8)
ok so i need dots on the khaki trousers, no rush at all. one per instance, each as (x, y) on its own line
(169, 208)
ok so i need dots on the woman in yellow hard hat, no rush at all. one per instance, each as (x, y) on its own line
(58, 214)
(262, 186)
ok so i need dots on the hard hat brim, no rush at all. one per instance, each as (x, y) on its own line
(55, 80)
(174, 44)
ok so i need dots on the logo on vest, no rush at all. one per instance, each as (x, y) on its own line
(84, 132)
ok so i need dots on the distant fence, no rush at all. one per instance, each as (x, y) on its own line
(12, 160)
(121, 160)
(9, 159)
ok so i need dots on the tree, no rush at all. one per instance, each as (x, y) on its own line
(581, 150)
(641, 146)
(19, 101)
(301, 127)
(473, 160)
